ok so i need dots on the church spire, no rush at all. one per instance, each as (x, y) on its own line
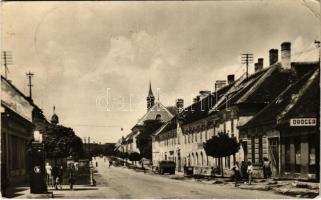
(150, 92)
(150, 98)
(54, 118)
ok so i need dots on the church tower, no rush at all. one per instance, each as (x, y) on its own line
(54, 118)
(150, 97)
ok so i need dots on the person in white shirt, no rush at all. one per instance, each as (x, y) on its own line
(49, 173)
(250, 172)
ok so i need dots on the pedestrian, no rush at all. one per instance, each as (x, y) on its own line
(212, 172)
(96, 164)
(250, 172)
(49, 174)
(71, 179)
(59, 177)
(236, 170)
(244, 174)
(267, 168)
(110, 163)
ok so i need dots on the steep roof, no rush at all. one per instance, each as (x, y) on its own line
(168, 126)
(157, 109)
(172, 110)
(272, 111)
(241, 86)
(199, 109)
(306, 103)
(268, 86)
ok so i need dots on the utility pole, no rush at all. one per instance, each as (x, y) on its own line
(247, 58)
(30, 75)
(317, 44)
(6, 60)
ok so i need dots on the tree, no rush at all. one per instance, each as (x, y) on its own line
(221, 145)
(144, 139)
(61, 142)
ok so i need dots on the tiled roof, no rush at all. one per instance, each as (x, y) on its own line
(270, 113)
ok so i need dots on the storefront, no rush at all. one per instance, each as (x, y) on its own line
(300, 152)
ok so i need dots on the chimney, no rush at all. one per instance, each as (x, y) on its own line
(219, 84)
(196, 99)
(204, 93)
(230, 78)
(286, 55)
(259, 64)
(274, 56)
(179, 104)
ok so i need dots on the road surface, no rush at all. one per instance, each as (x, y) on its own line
(119, 182)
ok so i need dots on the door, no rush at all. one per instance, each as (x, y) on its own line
(178, 160)
(274, 155)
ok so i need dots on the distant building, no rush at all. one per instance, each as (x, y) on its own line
(156, 111)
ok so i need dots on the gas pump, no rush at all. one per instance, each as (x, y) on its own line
(37, 168)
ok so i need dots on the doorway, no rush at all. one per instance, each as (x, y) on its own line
(274, 154)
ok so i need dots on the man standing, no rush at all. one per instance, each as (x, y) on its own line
(236, 170)
(49, 174)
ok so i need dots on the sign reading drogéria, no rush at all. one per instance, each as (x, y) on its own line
(303, 122)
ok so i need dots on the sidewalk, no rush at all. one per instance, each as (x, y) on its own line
(288, 187)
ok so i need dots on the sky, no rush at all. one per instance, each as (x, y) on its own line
(94, 60)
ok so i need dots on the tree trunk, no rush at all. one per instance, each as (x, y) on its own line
(221, 163)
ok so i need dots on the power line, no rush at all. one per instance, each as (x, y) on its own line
(93, 125)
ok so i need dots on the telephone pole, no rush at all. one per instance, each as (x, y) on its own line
(317, 45)
(30, 75)
(247, 58)
(6, 60)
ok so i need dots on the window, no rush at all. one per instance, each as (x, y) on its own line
(158, 117)
(287, 156)
(312, 155)
(297, 147)
(196, 136)
(260, 149)
(192, 138)
(232, 126)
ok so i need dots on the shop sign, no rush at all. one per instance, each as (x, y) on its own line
(303, 122)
